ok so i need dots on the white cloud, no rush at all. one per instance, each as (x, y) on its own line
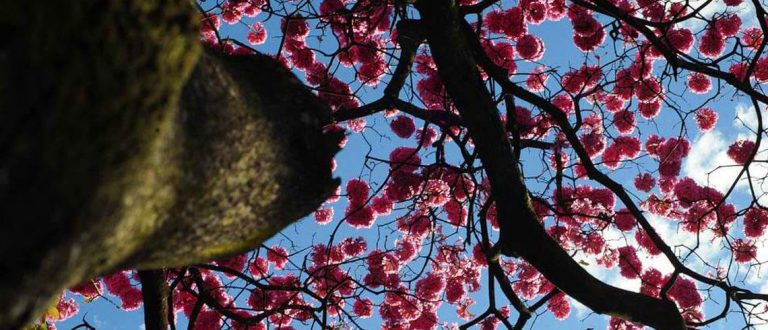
(745, 11)
(708, 162)
(745, 118)
(706, 246)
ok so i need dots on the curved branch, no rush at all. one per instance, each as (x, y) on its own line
(521, 232)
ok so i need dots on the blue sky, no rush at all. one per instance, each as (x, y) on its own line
(708, 152)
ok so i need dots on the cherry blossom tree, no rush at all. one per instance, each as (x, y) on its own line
(496, 168)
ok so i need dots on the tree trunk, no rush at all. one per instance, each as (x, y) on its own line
(123, 145)
(154, 293)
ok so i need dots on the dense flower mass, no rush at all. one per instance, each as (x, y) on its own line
(645, 182)
(740, 151)
(706, 118)
(755, 222)
(504, 150)
(403, 126)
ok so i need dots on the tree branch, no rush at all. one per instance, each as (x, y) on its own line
(154, 292)
(521, 232)
(123, 156)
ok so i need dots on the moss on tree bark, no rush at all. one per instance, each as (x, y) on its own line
(123, 145)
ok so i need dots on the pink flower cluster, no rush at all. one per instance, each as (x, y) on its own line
(623, 147)
(755, 222)
(119, 284)
(741, 150)
(669, 152)
(706, 118)
(588, 33)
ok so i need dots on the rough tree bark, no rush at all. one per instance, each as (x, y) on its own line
(123, 145)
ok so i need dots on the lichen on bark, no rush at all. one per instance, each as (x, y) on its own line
(115, 154)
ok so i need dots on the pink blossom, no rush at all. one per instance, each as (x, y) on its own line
(407, 249)
(259, 267)
(436, 192)
(624, 220)
(555, 9)
(706, 118)
(356, 125)
(594, 143)
(680, 39)
(684, 293)
(278, 256)
(530, 47)
(236, 263)
(752, 37)
(502, 54)
(370, 72)
(559, 306)
(564, 103)
(624, 121)
(699, 83)
(623, 147)
(613, 103)
(629, 264)
(741, 150)
(619, 324)
(645, 241)
(739, 70)
(353, 247)
(360, 216)
(755, 222)
(589, 43)
(417, 225)
(257, 35)
(295, 27)
(687, 191)
(648, 90)
(585, 25)
(497, 21)
(426, 138)
(455, 290)
(404, 159)
(89, 290)
(230, 13)
(430, 286)
(120, 285)
(514, 26)
(382, 205)
(712, 43)
(324, 215)
(728, 25)
(208, 319)
(357, 192)
(645, 182)
(744, 251)
(66, 308)
(651, 282)
(761, 70)
(403, 126)
(536, 12)
(363, 307)
(457, 214)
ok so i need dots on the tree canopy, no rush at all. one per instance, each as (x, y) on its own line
(511, 159)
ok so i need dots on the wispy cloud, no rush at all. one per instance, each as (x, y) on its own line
(708, 162)
(745, 11)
